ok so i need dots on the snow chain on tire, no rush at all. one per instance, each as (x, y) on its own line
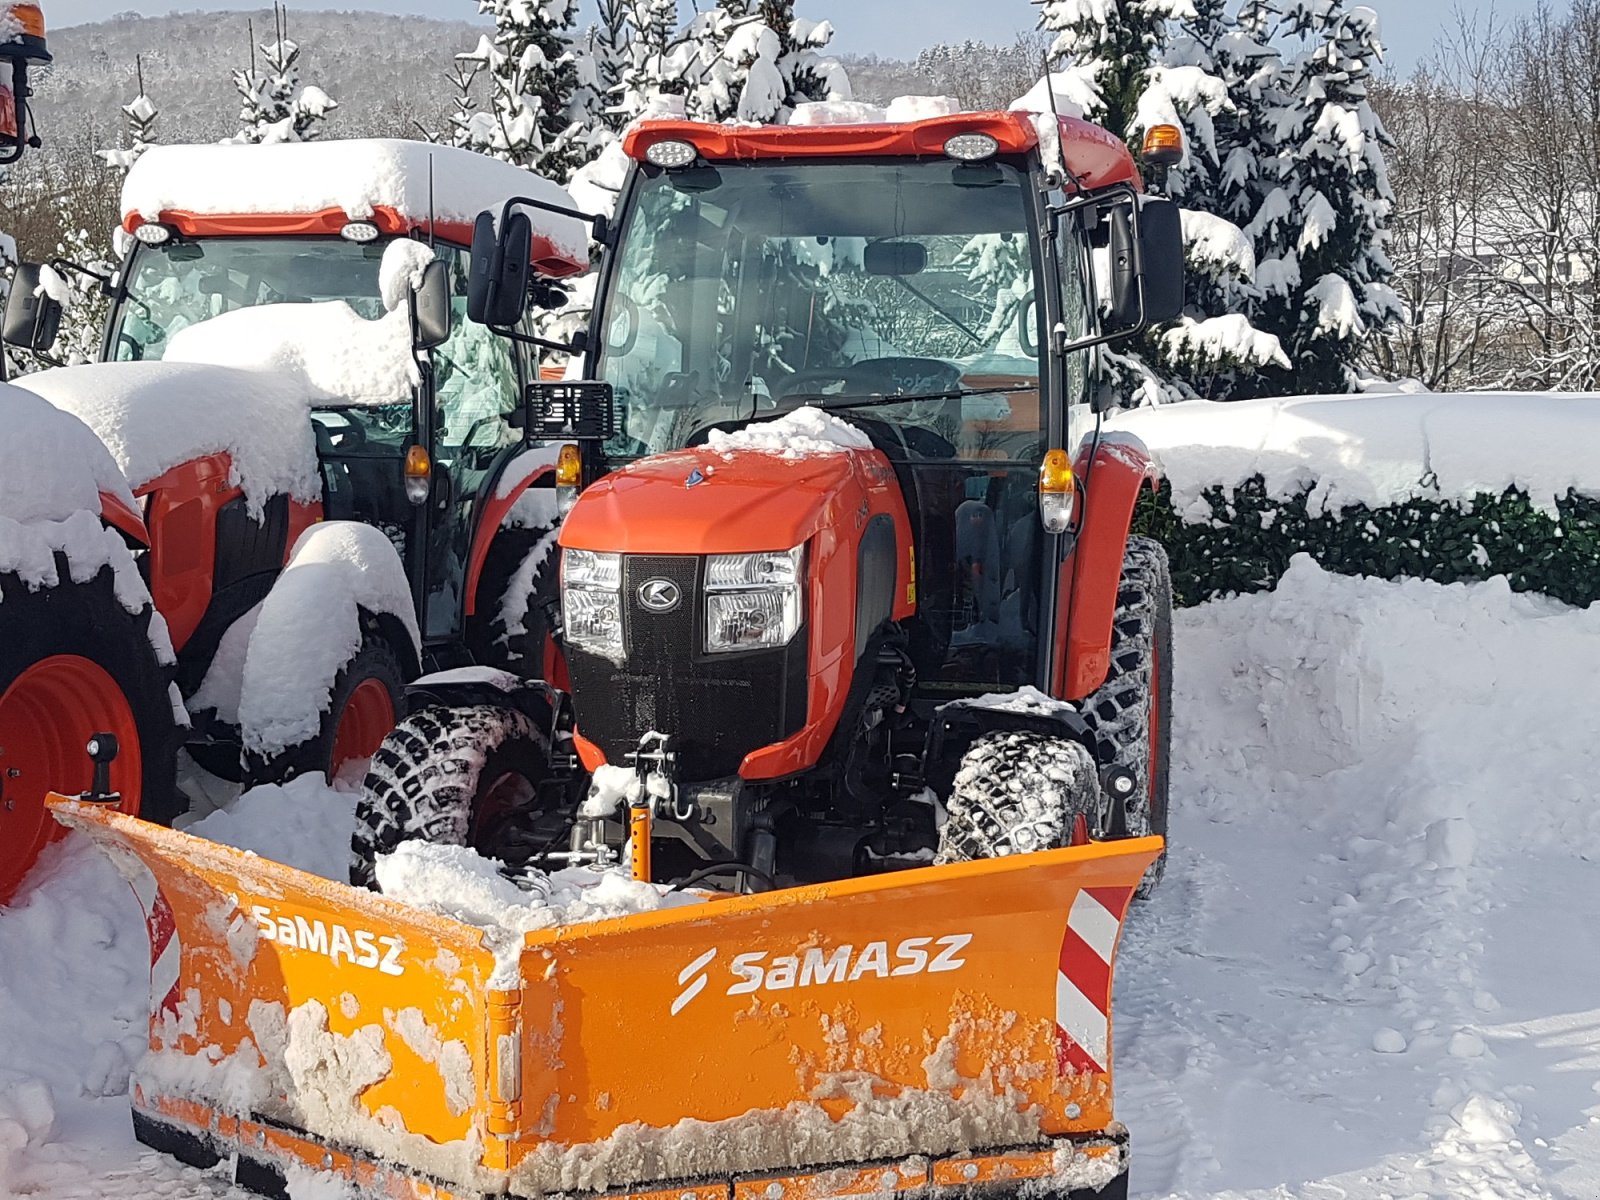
(1119, 710)
(1014, 793)
(428, 776)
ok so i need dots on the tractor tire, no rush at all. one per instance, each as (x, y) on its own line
(1130, 711)
(443, 775)
(368, 694)
(1018, 792)
(74, 662)
(512, 554)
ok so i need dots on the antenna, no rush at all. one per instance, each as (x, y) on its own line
(250, 34)
(433, 222)
(1055, 113)
(138, 71)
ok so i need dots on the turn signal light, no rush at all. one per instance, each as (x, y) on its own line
(569, 474)
(1163, 145)
(1058, 492)
(419, 474)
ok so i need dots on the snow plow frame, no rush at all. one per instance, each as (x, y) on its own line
(956, 1018)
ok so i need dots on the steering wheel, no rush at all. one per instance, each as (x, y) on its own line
(339, 439)
(873, 376)
(621, 307)
(1026, 325)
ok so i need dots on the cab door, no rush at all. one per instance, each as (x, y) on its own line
(476, 383)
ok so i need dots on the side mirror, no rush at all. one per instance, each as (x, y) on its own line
(1153, 253)
(33, 318)
(1161, 257)
(431, 308)
(497, 281)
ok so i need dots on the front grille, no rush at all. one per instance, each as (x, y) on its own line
(717, 708)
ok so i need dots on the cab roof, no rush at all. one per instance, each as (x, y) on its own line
(1094, 156)
(308, 188)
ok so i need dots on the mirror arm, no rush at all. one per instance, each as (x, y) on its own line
(599, 225)
(578, 345)
(66, 264)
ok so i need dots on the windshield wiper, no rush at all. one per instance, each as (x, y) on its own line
(874, 399)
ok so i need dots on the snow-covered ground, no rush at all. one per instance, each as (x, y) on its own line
(1373, 969)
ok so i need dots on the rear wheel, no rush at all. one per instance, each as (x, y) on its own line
(362, 709)
(1018, 792)
(74, 662)
(447, 775)
(1130, 710)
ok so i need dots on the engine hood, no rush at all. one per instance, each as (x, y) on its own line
(703, 501)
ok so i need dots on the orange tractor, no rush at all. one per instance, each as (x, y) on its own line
(840, 624)
(330, 476)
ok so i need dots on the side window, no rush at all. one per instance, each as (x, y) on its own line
(475, 374)
(1074, 307)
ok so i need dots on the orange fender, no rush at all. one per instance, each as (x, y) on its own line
(1090, 575)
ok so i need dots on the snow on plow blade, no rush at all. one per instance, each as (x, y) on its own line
(946, 1027)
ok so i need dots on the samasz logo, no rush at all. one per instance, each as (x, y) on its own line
(358, 947)
(755, 971)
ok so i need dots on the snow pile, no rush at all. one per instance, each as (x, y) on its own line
(357, 177)
(154, 416)
(338, 353)
(458, 882)
(51, 464)
(305, 824)
(799, 434)
(1372, 940)
(856, 112)
(1375, 450)
(310, 626)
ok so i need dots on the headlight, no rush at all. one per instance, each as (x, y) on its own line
(753, 600)
(591, 601)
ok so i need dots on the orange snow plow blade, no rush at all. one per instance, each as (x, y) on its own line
(946, 1027)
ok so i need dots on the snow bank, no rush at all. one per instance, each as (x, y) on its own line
(1375, 450)
(458, 882)
(310, 627)
(154, 416)
(356, 177)
(799, 434)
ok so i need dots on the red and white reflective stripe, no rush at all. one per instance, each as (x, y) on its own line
(166, 952)
(1083, 978)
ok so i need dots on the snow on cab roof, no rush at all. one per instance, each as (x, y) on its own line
(316, 187)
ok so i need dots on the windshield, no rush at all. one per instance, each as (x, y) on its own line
(743, 290)
(181, 283)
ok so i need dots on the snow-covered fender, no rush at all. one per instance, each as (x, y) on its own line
(520, 474)
(467, 687)
(1110, 485)
(342, 577)
(123, 517)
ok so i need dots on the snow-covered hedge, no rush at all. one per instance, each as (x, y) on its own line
(1435, 486)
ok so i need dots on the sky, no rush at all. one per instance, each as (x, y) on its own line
(890, 28)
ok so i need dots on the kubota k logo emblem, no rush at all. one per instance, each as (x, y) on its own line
(659, 595)
(813, 966)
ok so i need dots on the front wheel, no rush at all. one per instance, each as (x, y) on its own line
(450, 776)
(1019, 792)
(367, 695)
(1130, 711)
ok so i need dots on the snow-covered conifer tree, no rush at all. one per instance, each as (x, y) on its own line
(275, 105)
(758, 60)
(660, 60)
(533, 79)
(1325, 202)
(141, 114)
(1132, 64)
